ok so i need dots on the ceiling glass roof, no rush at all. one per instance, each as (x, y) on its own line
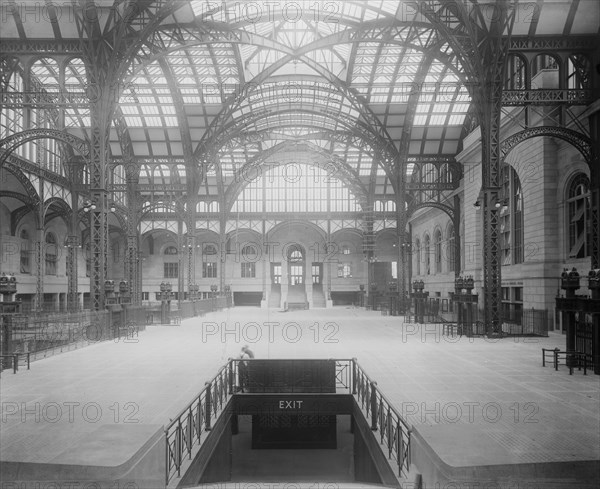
(231, 81)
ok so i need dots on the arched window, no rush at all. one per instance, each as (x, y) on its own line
(209, 249)
(579, 210)
(170, 250)
(345, 250)
(417, 257)
(427, 245)
(51, 254)
(451, 248)
(296, 256)
(511, 217)
(515, 73)
(437, 237)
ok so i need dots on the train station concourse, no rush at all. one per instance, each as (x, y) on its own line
(300, 243)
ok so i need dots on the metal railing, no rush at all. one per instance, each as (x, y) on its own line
(42, 335)
(393, 430)
(526, 322)
(14, 361)
(190, 428)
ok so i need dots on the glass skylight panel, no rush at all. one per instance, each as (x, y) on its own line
(75, 75)
(460, 108)
(457, 119)
(133, 121)
(437, 119)
(390, 6)
(441, 108)
(149, 110)
(420, 120)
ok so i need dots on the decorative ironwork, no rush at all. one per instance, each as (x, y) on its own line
(49, 46)
(414, 207)
(11, 142)
(16, 163)
(552, 44)
(582, 143)
(519, 98)
(73, 244)
(44, 100)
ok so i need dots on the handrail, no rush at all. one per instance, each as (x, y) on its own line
(393, 429)
(15, 360)
(188, 429)
(185, 431)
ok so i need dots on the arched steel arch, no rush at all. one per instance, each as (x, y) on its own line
(32, 193)
(348, 176)
(63, 210)
(344, 137)
(174, 207)
(436, 205)
(10, 143)
(291, 222)
(28, 201)
(356, 127)
(120, 214)
(236, 129)
(582, 143)
(390, 31)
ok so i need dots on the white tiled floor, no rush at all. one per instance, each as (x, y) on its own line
(493, 396)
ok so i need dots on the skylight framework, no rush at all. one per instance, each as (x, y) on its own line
(295, 188)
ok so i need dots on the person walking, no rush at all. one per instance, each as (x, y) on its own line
(244, 367)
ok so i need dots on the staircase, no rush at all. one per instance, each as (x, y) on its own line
(318, 298)
(275, 297)
(296, 298)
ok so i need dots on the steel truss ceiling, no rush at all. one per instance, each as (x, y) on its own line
(220, 83)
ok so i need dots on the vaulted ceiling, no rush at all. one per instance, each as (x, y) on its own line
(243, 79)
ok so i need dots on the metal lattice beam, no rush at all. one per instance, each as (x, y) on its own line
(10, 143)
(581, 142)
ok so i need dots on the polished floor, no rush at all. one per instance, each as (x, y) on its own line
(492, 398)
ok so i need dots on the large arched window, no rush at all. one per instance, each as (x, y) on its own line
(437, 237)
(427, 246)
(578, 209)
(451, 248)
(511, 217)
(294, 188)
